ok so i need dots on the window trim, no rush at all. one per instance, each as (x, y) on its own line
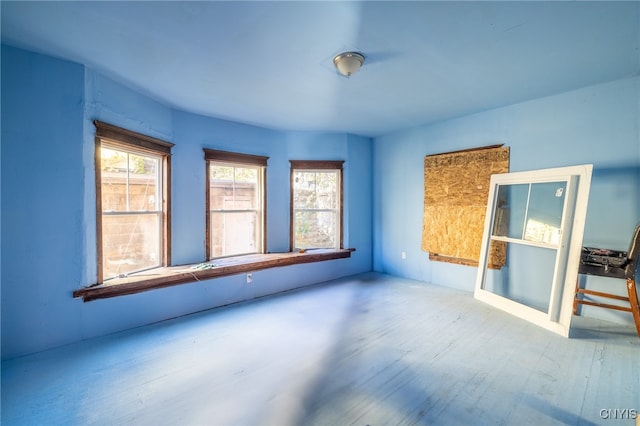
(316, 165)
(133, 142)
(184, 274)
(234, 159)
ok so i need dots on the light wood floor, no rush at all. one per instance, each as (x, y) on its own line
(368, 350)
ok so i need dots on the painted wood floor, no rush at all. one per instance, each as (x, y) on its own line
(368, 350)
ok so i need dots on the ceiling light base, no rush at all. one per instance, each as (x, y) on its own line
(348, 63)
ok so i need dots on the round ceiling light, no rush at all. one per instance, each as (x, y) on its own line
(348, 63)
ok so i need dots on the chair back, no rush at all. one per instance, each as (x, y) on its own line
(633, 255)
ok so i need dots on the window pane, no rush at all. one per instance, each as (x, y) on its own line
(248, 175)
(315, 190)
(304, 187)
(544, 215)
(112, 160)
(234, 233)
(233, 188)
(246, 188)
(314, 229)
(221, 172)
(142, 183)
(511, 210)
(327, 189)
(129, 182)
(523, 280)
(220, 194)
(114, 171)
(530, 212)
(130, 243)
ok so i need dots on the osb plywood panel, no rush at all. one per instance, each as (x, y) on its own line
(456, 187)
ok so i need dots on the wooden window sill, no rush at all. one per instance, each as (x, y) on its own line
(183, 274)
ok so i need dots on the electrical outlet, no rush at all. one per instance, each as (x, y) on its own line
(404, 254)
(249, 278)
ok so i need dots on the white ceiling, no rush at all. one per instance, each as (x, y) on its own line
(269, 63)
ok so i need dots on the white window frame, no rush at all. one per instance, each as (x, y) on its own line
(559, 314)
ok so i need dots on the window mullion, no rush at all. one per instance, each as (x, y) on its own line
(128, 182)
(233, 190)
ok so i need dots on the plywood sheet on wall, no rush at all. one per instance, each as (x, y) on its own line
(456, 187)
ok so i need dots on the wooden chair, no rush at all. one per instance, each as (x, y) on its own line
(612, 264)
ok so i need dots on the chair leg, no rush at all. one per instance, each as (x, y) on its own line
(576, 295)
(635, 306)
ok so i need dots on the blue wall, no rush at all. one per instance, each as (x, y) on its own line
(48, 201)
(597, 125)
(42, 199)
(48, 192)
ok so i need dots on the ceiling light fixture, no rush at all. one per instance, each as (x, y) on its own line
(348, 63)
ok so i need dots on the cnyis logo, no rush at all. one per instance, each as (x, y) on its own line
(620, 414)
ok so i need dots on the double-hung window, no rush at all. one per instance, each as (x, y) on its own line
(316, 204)
(133, 201)
(235, 203)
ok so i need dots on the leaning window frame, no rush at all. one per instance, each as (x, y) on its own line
(557, 317)
(130, 141)
(317, 165)
(235, 159)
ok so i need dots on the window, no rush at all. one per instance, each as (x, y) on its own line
(539, 216)
(316, 204)
(132, 194)
(132, 175)
(235, 203)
